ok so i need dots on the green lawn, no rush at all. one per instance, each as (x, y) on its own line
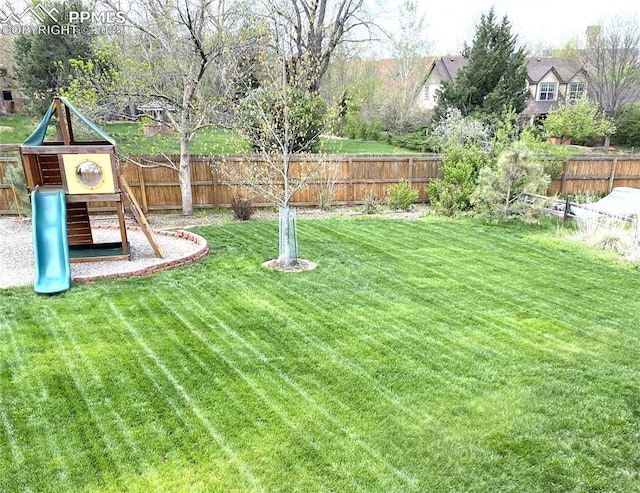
(14, 129)
(421, 355)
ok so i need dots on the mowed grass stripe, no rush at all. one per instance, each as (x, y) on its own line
(547, 281)
(38, 437)
(398, 310)
(132, 389)
(12, 410)
(552, 276)
(187, 399)
(518, 331)
(357, 351)
(114, 432)
(290, 299)
(512, 291)
(304, 414)
(232, 359)
(367, 309)
(248, 416)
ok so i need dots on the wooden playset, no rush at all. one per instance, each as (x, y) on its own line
(84, 164)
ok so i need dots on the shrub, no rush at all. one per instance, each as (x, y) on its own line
(628, 124)
(402, 196)
(371, 203)
(460, 167)
(455, 130)
(242, 208)
(511, 187)
(415, 140)
(358, 128)
(578, 120)
(609, 233)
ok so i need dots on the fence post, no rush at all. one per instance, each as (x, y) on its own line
(214, 181)
(614, 165)
(567, 207)
(410, 172)
(565, 170)
(143, 189)
(350, 178)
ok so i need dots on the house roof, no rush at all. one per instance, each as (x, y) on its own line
(449, 66)
(539, 107)
(537, 67)
(565, 68)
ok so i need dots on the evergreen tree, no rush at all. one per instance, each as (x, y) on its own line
(495, 77)
(42, 59)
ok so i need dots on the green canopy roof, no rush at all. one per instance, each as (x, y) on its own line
(37, 137)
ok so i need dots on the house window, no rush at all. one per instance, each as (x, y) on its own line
(576, 90)
(426, 93)
(547, 91)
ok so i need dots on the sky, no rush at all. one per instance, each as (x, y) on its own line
(451, 23)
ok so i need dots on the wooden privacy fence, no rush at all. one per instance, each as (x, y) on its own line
(352, 179)
(7, 193)
(348, 178)
(596, 174)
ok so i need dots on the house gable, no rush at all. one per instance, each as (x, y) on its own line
(443, 69)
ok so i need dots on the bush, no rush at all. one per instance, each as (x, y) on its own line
(511, 188)
(578, 120)
(357, 128)
(242, 208)
(371, 203)
(402, 196)
(415, 141)
(460, 168)
(455, 130)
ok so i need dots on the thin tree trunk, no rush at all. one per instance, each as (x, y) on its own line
(506, 202)
(184, 174)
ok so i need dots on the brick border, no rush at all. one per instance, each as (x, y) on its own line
(163, 265)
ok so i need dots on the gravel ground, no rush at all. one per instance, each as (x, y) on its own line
(17, 262)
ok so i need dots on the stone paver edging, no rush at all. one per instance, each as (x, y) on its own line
(162, 264)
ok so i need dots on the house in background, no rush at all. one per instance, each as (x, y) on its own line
(439, 70)
(550, 81)
(11, 98)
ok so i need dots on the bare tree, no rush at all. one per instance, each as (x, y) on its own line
(272, 118)
(313, 29)
(612, 57)
(177, 44)
(409, 49)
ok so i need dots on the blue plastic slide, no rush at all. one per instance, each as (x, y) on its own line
(50, 244)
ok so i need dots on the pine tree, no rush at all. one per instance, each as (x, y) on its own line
(495, 77)
(42, 59)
